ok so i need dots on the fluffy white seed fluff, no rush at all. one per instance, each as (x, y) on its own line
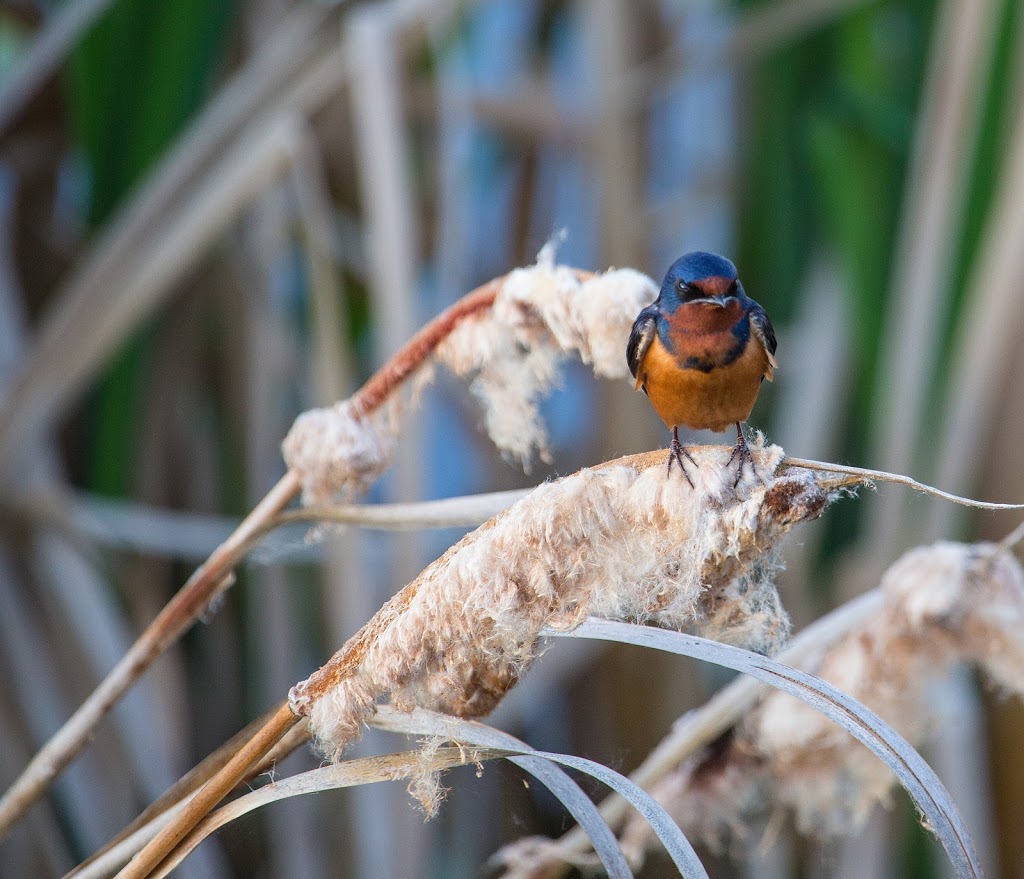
(621, 542)
(338, 454)
(542, 314)
(944, 604)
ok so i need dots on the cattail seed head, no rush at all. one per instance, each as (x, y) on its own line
(622, 541)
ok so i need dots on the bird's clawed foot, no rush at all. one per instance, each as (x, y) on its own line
(742, 454)
(677, 453)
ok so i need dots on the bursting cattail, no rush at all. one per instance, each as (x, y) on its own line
(621, 541)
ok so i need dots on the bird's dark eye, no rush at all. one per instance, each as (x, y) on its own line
(734, 289)
(682, 286)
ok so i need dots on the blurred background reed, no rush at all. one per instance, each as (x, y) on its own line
(215, 213)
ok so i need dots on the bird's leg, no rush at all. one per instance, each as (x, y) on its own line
(741, 453)
(676, 454)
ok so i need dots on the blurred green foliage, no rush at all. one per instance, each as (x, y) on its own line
(830, 136)
(133, 84)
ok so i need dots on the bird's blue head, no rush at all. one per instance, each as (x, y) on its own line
(700, 277)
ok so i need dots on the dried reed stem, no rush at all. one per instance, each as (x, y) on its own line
(188, 604)
(868, 476)
(119, 850)
(210, 794)
(383, 383)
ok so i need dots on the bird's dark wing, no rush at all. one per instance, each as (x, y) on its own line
(765, 334)
(644, 328)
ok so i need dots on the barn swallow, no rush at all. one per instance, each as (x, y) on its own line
(701, 351)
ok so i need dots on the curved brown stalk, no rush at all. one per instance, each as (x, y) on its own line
(210, 794)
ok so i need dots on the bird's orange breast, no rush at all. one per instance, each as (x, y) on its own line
(698, 399)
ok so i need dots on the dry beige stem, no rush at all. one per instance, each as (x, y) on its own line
(508, 340)
(944, 604)
(622, 541)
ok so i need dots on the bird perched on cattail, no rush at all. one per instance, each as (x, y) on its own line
(701, 351)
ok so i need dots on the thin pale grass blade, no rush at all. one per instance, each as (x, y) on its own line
(702, 726)
(108, 860)
(675, 842)
(898, 479)
(562, 786)
(251, 753)
(115, 854)
(111, 858)
(397, 766)
(423, 722)
(351, 773)
(155, 815)
(928, 792)
(143, 528)
(468, 510)
(606, 846)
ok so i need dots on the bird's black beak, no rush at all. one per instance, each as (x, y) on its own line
(720, 301)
